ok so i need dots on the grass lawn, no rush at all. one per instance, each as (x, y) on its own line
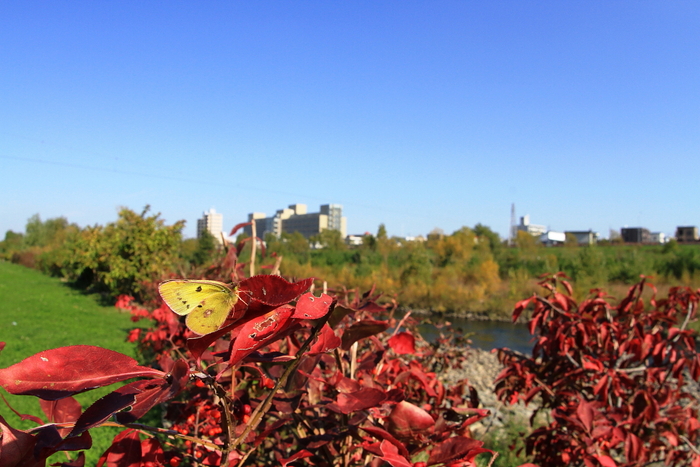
(40, 313)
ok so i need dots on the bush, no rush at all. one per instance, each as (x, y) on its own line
(289, 377)
(615, 380)
(124, 256)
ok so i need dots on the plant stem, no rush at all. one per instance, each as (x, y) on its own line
(253, 248)
(261, 409)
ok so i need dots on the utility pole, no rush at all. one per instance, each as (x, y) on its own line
(511, 232)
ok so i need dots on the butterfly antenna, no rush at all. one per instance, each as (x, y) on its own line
(240, 297)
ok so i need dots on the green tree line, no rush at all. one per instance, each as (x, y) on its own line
(470, 270)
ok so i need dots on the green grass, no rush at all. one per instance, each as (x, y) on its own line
(39, 313)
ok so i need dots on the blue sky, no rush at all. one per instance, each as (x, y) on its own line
(416, 114)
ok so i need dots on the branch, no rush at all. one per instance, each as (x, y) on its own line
(571, 359)
(544, 386)
(144, 428)
(229, 425)
(690, 445)
(632, 370)
(552, 306)
(685, 323)
(398, 326)
(260, 410)
(253, 248)
(276, 268)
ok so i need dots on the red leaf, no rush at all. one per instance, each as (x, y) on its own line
(303, 454)
(16, 445)
(361, 330)
(585, 412)
(600, 386)
(147, 394)
(198, 345)
(520, 307)
(125, 450)
(49, 441)
(272, 289)
(360, 400)
(606, 461)
(419, 376)
(62, 411)
(22, 416)
(633, 447)
(567, 286)
(312, 307)
(382, 434)
(141, 396)
(158, 391)
(258, 295)
(102, 409)
(152, 453)
(403, 343)
(260, 332)
(325, 341)
(455, 448)
(70, 370)
(473, 415)
(237, 227)
(390, 454)
(407, 420)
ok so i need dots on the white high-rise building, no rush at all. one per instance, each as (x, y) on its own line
(213, 222)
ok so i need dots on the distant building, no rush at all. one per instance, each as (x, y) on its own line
(553, 238)
(687, 234)
(635, 235)
(355, 240)
(212, 222)
(658, 237)
(295, 218)
(532, 229)
(584, 237)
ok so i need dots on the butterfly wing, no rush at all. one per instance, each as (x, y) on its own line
(206, 303)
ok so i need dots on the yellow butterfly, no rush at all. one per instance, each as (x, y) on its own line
(207, 304)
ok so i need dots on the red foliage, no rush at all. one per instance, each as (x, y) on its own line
(616, 380)
(292, 378)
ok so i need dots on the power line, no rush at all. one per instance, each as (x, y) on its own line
(195, 180)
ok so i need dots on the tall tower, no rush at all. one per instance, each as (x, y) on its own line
(513, 226)
(213, 222)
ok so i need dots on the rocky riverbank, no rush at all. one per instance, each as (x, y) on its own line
(480, 368)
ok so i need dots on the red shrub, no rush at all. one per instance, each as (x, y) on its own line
(615, 380)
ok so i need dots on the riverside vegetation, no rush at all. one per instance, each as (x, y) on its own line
(470, 271)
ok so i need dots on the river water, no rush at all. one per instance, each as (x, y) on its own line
(486, 335)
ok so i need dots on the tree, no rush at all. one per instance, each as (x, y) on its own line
(570, 240)
(492, 239)
(12, 243)
(123, 256)
(206, 246)
(47, 233)
(526, 242)
(453, 249)
(330, 239)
